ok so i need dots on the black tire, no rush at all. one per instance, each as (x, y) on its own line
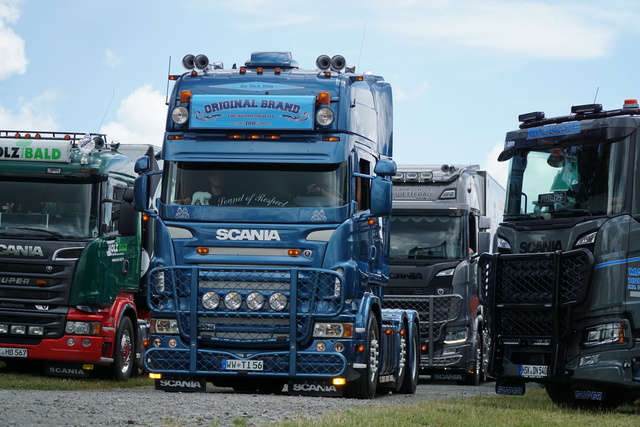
(412, 364)
(365, 386)
(474, 378)
(123, 351)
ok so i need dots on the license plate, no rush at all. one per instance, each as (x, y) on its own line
(242, 365)
(533, 371)
(13, 352)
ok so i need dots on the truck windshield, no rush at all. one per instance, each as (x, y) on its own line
(426, 237)
(48, 210)
(255, 185)
(567, 182)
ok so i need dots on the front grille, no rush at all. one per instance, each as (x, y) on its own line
(526, 292)
(435, 312)
(308, 293)
(436, 309)
(274, 363)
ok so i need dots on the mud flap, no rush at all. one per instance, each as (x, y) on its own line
(511, 386)
(66, 370)
(314, 388)
(185, 385)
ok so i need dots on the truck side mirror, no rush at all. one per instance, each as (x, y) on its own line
(141, 193)
(484, 242)
(142, 165)
(385, 167)
(484, 222)
(128, 220)
(380, 196)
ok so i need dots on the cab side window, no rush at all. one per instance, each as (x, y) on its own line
(363, 186)
(113, 204)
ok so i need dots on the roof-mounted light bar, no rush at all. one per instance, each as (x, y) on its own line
(586, 108)
(531, 117)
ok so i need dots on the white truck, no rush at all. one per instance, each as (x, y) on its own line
(443, 218)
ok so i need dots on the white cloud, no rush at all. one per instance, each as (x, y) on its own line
(12, 52)
(531, 29)
(417, 91)
(35, 114)
(111, 59)
(141, 119)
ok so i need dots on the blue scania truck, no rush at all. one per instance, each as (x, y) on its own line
(272, 233)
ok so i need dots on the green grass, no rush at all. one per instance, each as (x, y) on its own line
(24, 379)
(533, 409)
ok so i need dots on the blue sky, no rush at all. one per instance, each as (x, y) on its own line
(461, 70)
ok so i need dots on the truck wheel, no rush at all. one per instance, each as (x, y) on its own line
(473, 378)
(412, 364)
(123, 351)
(365, 386)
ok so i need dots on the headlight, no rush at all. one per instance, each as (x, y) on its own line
(447, 272)
(164, 326)
(324, 116)
(332, 330)
(210, 300)
(180, 115)
(255, 301)
(587, 239)
(503, 244)
(455, 337)
(448, 194)
(36, 330)
(337, 282)
(160, 280)
(608, 333)
(278, 301)
(233, 300)
(82, 328)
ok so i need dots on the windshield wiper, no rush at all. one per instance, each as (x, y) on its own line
(53, 233)
(584, 212)
(523, 217)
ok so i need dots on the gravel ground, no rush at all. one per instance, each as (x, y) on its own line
(217, 407)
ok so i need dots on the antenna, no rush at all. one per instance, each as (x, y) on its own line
(595, 97)
(361, 44)
(105, 113)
